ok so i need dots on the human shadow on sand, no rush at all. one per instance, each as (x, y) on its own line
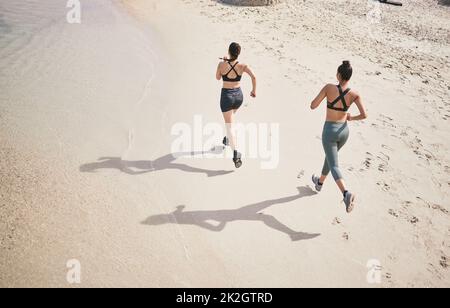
(145, 166)
(205, 219)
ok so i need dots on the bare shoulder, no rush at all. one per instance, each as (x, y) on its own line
(355, 94)
(328, 87)
(243, 66)
(223, 66)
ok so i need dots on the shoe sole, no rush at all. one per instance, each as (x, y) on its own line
(315, 185)
(351, 206)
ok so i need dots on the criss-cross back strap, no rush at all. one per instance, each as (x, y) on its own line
(233, 68)
(341, 98)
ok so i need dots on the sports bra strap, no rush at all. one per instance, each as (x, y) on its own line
(232, 68)
(341, 98)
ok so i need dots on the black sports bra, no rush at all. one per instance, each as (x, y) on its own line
(236, 79)
(341, 98)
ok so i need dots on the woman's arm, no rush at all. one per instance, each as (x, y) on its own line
(362, 111)
(218, 73)
(249, 71)
(319, 99)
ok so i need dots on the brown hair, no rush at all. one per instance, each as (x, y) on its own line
(345, 70)
(234, 50)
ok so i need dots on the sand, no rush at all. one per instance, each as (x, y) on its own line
(87, 172)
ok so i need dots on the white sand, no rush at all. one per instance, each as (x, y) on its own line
(114, 87)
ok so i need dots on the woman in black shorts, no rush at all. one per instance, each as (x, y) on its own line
(231, 71)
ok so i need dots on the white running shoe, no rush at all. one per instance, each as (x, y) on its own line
(349, 201)
(316, 181)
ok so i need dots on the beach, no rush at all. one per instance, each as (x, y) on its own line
(89, 171)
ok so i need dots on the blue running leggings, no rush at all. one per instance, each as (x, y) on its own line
(334, 137)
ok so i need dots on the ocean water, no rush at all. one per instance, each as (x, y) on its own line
(86, 88)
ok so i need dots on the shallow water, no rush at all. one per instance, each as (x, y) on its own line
(93, 78)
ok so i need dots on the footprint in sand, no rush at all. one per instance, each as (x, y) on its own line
(386, 121)
(388, 278)
(406, 204)
(368, 162)
(447, 169)
(384, 186)
(444, 262)
(435, 270)
(393, 213)
(386, 147)
(414, 220)
(346, 236)
(383, 166)
(402, 214)
(336, 221)
(384, 157)
(433, 206)
(393, 257)
(439, 208)
(386, 117)
(404, 133)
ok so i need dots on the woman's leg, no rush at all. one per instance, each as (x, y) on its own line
(334, 138)
(235, 101)
(228, 117)
(341, 184)
(343, 137)
(325, 172)
(326, 167)
(331, 163)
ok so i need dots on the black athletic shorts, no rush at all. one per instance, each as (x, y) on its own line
(231, 99)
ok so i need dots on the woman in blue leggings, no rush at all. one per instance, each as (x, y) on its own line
(336, 132)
